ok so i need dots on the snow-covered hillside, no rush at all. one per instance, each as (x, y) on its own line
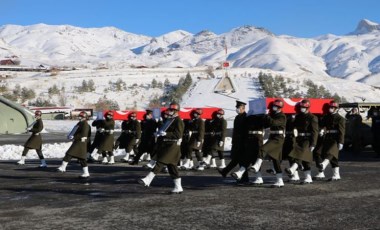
(354, 57)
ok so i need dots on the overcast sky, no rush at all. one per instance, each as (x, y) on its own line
(301, 18)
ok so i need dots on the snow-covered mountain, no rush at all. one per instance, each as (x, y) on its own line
(354, 57)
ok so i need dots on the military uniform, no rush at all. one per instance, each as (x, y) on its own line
(78, 148)
(148, 127)
(130, 133)
(197, 136)
(98, 135)
(334, 126)
(107, 143)
(185, 144)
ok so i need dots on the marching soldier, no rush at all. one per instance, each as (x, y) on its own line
(34, 141)
(332, 128)
(306, 135)
(78, 148)
(149, 127)
(238, 141)
(106, 145)
(253, 142)
(97, 139)
(130, 136)
(215, 134)
(376, 130)
(168, 152)
(276, 121)
(197, 129)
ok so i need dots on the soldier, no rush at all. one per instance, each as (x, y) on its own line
(149, 127)
(288, 145)
(185, 144)
(332, 128)
(130, 136)
(355, 125)
(78, 148)
(306, 135)
(197, 129)
(276, 121)
(97, 139)
(215, 134)
(106, 145)
(376, 130)
(254, 130)
(168, 152)
(34, 141)
(239, 135)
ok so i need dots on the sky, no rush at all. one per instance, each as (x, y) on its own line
(300, 18)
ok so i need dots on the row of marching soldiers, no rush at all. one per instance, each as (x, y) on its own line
(293, 138)
(297, 138)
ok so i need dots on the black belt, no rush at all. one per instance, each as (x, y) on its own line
(169, 140)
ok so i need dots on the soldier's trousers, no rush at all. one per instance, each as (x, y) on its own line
(39, 153)
(276, 163)
(173, 170)
(105, 153)
(82, 162)
(304, 165)
(333, 160)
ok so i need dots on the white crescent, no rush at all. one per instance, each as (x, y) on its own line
(291, 102)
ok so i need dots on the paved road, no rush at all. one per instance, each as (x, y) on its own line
(33, 198)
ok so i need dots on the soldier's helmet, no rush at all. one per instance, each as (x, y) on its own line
(333, 104)
(279, 103)
(305, 103)
(220, 111)
(132, 115)
(83, 114)
(199, 111)
(38, 113)
(174, 106)
(109, 114)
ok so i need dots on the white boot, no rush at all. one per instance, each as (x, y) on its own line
(295, 177)
(200, 166)
(22, 160)
(258, 180)
(43, 164)
(126, 158)
(177, 186)
(207, 159)
(213, 163)
(222, 164)
(292, 169)
(147, 157)
(105, 160)
(335, 175)
(184, 164)
(256, 167)
(324, 164)
(85, 174)
(147, 180)
(112, 160)
(238, 174)
(150, 165)
(320, 176)
(279, 182)
(63, 166)
(308, 179)
(191, 164)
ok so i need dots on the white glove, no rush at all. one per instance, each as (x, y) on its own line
(71, 137)
(312, 148)
(340, 146)
(162, 133)
(101, 130)
(221, 143)
(137, 141)
(322, 132)
(198, 144)
(111, 131)
(83, 139)
(190, 133)
(295, 132)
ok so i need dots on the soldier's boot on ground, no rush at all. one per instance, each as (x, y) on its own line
(85, 173)
(319, 176)
(21, 161)
(147, 180)
(43, 164)
(323, 165)
(257, 165)
(213, 163)
(207, 159)
(112, 160)
(177, 186)
(258, 180)
(336, 175)
(63, 166)
(147, 158)
(308, 179)
(150, 165)
(238, 174)
(222, 164)
(126, 158)
(294, 178)
(105, 160)
(184, 164)
(142, 156)
(191, 164)
(279, 182)
(292, 169)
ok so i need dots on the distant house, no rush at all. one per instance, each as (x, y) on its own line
(8, 62)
